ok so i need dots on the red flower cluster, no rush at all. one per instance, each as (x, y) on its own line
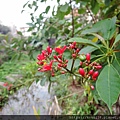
(60, 50)
(92, 69)
(8, 86)
(42, 59)
(87, 69)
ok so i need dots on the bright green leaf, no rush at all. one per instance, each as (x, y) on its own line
(108, 85)
(64, 8)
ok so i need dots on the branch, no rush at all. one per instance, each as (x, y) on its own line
(91, 14)
(72, 19)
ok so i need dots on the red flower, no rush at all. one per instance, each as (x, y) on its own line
(5, 84)
(41, 56)
(47, 67)
(60, 50)
(49, 49)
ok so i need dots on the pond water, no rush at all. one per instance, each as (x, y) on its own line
(22, 102)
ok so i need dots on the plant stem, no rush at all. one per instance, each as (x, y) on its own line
(72, 64)
(72, 19)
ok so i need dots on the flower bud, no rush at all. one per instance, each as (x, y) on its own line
(82, 57)
(5, 84)
(90, 72)
(98, 67)
(63, 72)
(74, 55)
(88, 57)
(95, 75)
(60, 56)
(49, 49)
(82, 72)
(55, 57)
(92, 87)
(77, 51)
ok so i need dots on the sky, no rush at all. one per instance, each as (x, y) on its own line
(10, 12)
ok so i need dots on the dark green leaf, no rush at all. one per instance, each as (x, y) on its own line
(30, 29)
(36, 8)
(108, 85)
(25, 4)
(107, 2)
(95, 6)
(116, 64)
(30, 6)
(47, 9)
(87, 49)
(116, 39)
(34, 3)
(83, 41)
(20, 33)
(107, 27)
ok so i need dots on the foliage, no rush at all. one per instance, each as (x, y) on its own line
(98, 35)
(23, 67)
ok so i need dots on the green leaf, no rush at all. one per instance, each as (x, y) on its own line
(30, 24)
(87, 49)
(34, 3)
(116, 39)
(108, 85)
(60, 14)
(107, 27)
(25, 4)
(83, 41)
(45, 46)
(47, 9)
(43, 80)
(116, 64)
(69, 64)
(107, 2)
(77, 63)
(95, 6)
(64, 8)
(81, 10)
(20, 33)
(30, 6)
